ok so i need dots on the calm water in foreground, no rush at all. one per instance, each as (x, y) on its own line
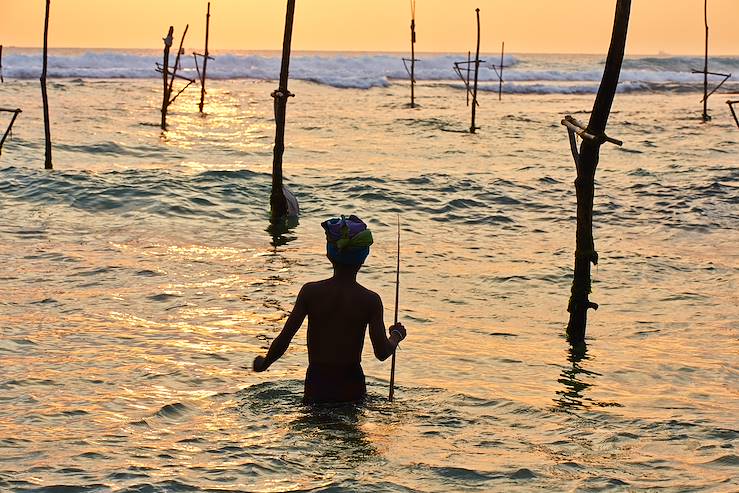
(138, 280)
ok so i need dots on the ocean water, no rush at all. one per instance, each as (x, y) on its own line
(140, 277)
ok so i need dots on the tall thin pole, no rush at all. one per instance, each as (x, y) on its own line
(413, 53)
(477, 68)
(1, 65)
(165, 76)
(705, 66)
(587, 163)
(500, 83)
(47, 126)
(205, 60)
(397, 295)
(278, 202)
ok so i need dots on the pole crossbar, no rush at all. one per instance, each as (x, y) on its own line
(581, 130)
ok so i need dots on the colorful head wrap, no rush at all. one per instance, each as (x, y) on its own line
(347, 240)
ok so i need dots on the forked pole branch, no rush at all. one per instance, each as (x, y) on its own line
(168, 76)
(586, 162)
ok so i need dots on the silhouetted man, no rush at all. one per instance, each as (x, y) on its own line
(339, 310)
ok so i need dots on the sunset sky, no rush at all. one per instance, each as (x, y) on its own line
(527, 26)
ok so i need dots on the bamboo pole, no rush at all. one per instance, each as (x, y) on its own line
(706, 117)
(277, 200)
(44, 96)
(165, 79)
(205, 60)
(15, 112)
(586, 162)
(477, 69)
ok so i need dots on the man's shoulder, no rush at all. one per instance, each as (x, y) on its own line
(371, 295)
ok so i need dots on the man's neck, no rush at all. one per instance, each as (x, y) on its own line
(345, 275)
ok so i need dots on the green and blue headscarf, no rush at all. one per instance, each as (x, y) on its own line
(347, 240)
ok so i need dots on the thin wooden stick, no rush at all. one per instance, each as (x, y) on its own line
(477, 69)
(205, 60)
(277, 200)
(2, 80)
(469, 66)
(177, 59)
(47, 125)
(397, 296)
(500, 76)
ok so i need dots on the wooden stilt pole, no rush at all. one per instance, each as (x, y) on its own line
(413, 53)
(47, 125)
(165, 76)
(2, 80)
(277, 200)
(706, 117)
(586, 162)
(477, 69)
(15, 112)
(500, 76)
(205, 60)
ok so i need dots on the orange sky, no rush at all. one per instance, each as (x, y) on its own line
(527, 26)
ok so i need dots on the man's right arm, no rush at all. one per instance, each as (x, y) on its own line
(383, 345)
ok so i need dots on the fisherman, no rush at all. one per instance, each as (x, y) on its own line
(339, 310)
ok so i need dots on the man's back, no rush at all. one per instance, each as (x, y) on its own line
(339, 311)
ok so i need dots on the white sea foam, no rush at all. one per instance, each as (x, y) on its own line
(549, 74)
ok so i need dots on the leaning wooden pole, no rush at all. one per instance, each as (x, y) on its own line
(705, 66)
(205, 60)
(47, 125)
(165, 76)
(277, 200)
(587, 163)
(2, 80)
(15, 112)
(477, 69)
(733, 112)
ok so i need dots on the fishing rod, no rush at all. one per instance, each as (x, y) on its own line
(397, 291)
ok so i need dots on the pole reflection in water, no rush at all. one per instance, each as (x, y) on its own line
(576, 381)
